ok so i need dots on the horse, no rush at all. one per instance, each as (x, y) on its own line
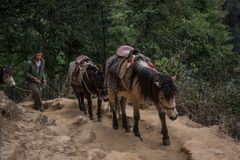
(140, 82)
(86, 79)
(6, 78)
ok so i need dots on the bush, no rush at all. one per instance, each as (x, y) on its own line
(204, 102)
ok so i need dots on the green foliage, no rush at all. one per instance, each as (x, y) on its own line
(232, 19)
(192, 30)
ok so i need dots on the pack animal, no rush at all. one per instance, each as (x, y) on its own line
(140, 82)
(86, 79)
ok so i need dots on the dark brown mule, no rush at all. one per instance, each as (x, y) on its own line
(87, 79)
(140, 82)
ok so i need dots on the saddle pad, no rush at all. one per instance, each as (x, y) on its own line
(124, 50)
(123, 66)
(82, 58)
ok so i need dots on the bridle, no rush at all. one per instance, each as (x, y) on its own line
(166, 108)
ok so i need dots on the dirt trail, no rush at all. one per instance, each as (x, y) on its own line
(62, 132)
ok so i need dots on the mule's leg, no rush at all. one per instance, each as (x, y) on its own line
(166, 139)
(124, 115)
(90, 110)
(136, 115)
(99, 109)
(82, 102)
(113, 104)
(78, 95)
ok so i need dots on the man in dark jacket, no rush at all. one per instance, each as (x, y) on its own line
(35, 78)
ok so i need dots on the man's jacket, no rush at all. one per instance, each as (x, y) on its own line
(32, 71)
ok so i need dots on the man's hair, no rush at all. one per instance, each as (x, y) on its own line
(38, 50)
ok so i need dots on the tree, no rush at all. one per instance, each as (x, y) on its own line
(233, 20)
(193, 31)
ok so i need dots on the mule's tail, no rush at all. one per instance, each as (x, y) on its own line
(71, 68)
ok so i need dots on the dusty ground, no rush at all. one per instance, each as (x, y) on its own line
(63, 132)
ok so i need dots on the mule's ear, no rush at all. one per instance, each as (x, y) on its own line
(174, 78)
(100, 66)
(157, 83)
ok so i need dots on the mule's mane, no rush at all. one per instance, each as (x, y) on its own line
(146, 77)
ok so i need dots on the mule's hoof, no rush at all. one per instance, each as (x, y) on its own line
(127, 130)
(115, 127)
(81, 109)
(139, 136)
(99, 119)
(166, 142)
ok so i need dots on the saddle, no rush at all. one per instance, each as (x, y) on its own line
(75, 73)
(120, 65)
(124, 51)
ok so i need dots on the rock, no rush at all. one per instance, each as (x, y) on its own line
(80, 120)
(91, 137)
(216, 152)
(96, 154)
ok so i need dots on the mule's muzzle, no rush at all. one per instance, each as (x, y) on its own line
(173, 118)
(9, 81)
(104, 95)
(172, 114)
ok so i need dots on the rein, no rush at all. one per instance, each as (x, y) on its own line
(21, 89)
(82, 78)
(85, 85)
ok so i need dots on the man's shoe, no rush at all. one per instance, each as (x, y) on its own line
(41, 109)
(35, 108)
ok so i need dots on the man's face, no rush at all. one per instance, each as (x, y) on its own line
(38, 56)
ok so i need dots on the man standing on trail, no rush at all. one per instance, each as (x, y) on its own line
(35, 78)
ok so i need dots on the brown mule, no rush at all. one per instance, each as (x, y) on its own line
(86, 79)
(140, 82)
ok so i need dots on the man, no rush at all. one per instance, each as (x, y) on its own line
(35, 78)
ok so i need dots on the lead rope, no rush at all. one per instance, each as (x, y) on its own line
(86, 86)
(21, 89)
(84, 83)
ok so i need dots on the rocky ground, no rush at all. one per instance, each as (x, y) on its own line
(62, 132)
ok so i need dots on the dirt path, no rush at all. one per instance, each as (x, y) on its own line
(62, 132)
(116, 144)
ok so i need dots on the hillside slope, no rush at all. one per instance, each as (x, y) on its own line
(62, 132)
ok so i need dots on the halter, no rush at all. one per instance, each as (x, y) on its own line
(166, 108)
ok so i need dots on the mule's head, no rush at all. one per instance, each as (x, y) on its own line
(166, 96)
(100, 75)
(97, 72)
(6, 76)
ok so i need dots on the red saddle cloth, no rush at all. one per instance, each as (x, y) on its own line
(124, 50)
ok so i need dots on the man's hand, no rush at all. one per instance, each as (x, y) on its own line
(44, 83)
(36, 80)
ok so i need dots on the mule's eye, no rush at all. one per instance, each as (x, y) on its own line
(162, 98)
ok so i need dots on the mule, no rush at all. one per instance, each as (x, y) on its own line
(86, 79)
(6, 78)
(140, 82)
